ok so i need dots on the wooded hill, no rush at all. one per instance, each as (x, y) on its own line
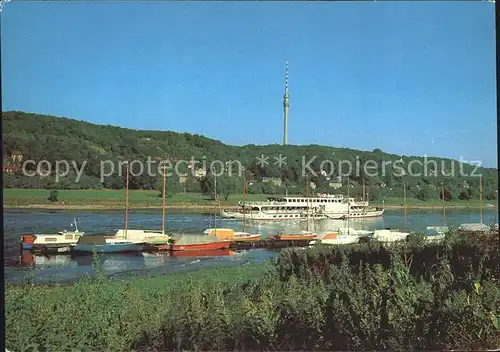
(38, 137)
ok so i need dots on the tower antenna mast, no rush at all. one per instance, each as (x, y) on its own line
(286, 105)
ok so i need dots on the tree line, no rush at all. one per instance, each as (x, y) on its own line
(41, 137)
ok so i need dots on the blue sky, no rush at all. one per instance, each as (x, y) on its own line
(409, 78)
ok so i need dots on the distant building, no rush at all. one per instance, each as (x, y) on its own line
(199, 173)
(16, 157)
(9, 169)
(274, 180)
(12, 164)
(335, 185)
(183, 180)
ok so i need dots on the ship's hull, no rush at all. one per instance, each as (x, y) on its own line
(51, 249)
(203, 253)
(108, 248)
(245, 238)
(338, 241)
(367, 214)
(297, 217)
(200, 246)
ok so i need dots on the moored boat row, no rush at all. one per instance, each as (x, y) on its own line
(130, 240)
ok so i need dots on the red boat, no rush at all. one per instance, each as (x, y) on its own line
(204, 253)
(198, 243)
(200, 246)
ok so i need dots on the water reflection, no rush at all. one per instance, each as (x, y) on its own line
(277, 227)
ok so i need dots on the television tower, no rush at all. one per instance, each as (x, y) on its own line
(286, 104)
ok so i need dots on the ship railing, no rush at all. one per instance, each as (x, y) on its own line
(262, 203)
(360, 203)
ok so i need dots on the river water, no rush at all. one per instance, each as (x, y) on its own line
(18, 266)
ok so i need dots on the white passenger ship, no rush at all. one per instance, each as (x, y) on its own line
(297, 208)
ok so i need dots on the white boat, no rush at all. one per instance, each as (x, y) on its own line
(59, 242)
(390, 235)
(353, 232)
(149, 236)
(297, 208)
(435, 233)
(477, 227)
(106, 244)
(438, 229)
(229, 234)
(271, 211)
(474, 227)
(334, 238)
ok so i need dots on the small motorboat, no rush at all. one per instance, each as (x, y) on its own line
(301, 236)
(334, 238)
(59, 242)
(197, 243)
(438, 229)
(474, 227)
(231, 235)
(353, 232)
(390, 235)
(106, 244)
(433, 235)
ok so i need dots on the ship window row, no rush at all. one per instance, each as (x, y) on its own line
(286, 216)
(316, 201)
(283, 209)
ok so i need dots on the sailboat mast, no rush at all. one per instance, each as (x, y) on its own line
(307, 195)
(348, 205)
(244, 197)
(481, 198)
(126, 201)
(363, 190)
(215, 211)
(404, 199)
(163, 201)
(444, 209)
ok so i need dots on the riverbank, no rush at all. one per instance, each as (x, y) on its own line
(181, 202)
(326, 298)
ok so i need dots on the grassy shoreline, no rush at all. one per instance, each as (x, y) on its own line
(184, 202)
